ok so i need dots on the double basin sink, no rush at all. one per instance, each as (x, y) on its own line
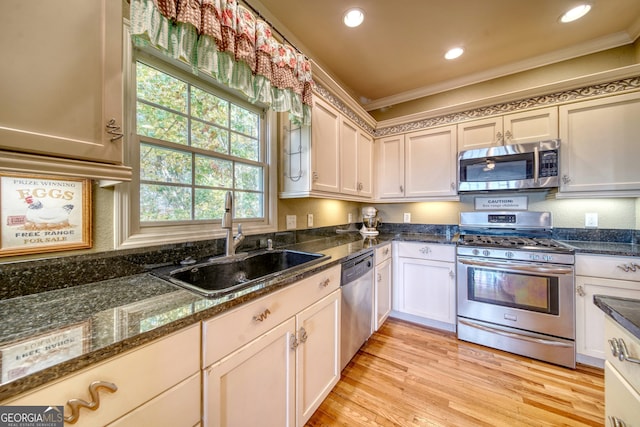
(220, 276)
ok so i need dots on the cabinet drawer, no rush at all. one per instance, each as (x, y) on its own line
(431, 251)
(229, 331)
(177, 407)
(609, 267)
(140, 375)
(383, 252)
(629, 370)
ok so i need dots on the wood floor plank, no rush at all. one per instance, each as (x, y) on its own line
(410, 375)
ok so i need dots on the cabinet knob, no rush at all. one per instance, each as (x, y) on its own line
(402, 189)
(325, 283)
(508, 135)
(500, 138)
(76, 404)
(303, 335)
(315, 176)
(566, 179)
(114, 130)
(580, 291)
(425, 250)
(293, 342)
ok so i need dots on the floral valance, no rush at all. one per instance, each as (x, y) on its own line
(225, 40)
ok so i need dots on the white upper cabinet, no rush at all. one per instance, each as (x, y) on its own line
(417, 165)
(333, 158)
(325, 147)
(356, 159)
(390, 167)
(600, 146)
(62, 78)
(516, 128)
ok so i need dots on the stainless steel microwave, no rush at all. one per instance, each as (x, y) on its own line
(533, 165)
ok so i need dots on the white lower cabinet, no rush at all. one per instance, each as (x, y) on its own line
(157, 384)
(621, 380)
(273, 360)
(599, 275)
(424, 284)
(383, 285)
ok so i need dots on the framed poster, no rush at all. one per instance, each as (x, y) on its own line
(25, 357)
(40, 213)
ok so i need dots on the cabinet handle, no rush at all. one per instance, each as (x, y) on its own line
(580, 291)
(386, 251)
(303, 335)
(451, 274)
(425, 250)
(453, 185)
(508, 135)
(325, 283)
(629, 267)
(262, 316)
(616, 422)
(402, 189)
(76, 404)
(379, 277)
(566, 179)
(619, 349)
(114, 130)
(315, 176)
(500, 138)
(293, 342)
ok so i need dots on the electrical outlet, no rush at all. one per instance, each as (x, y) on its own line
(349, 218)
(591, 220)
(291, 222)
(407, 217)
(309, 220)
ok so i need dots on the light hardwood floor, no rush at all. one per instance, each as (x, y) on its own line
(409, 375)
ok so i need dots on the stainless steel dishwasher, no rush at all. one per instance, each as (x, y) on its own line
(357, 305)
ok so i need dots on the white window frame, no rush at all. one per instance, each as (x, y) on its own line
(128, 232)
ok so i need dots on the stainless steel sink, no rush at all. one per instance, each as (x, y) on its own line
(220, 276)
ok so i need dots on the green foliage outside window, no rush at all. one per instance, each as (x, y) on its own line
(194, 147)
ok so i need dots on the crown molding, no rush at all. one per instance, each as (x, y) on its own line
(523, 94)
(594, 46)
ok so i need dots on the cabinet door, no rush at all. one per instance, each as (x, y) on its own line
(620, 399)
(382, 295)
(390, 167)
(365, 165)
(599, 144)
(62, 78)
(590, 336)
(480, 133)
(318, 355)
(325, 139)
(348, 157)
(431, 162)
(426, 289)
(531, 126)
(254, 386)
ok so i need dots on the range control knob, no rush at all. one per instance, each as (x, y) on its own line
(509, 254)
(476, 252)
(534, 257)
(486, 252)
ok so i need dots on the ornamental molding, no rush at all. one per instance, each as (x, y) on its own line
(623, 85)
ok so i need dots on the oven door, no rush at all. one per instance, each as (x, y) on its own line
(527, 296)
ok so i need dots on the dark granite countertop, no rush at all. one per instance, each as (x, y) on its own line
(92, 322)
(625, 311)
(604, 248)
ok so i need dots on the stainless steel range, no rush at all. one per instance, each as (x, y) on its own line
(516, 285)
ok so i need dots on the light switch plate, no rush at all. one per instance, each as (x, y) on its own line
(309, 220)
(407, 217)
(591, 220)
(349, 217)
(291, 222)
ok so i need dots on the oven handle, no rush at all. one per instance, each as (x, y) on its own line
(514, 335)
(530, 269)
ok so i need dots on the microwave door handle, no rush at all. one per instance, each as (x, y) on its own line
(526, 268)
(536, 165)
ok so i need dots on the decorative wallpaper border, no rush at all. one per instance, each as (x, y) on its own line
(631, 83)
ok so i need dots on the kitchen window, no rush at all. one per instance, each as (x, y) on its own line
(191, 143)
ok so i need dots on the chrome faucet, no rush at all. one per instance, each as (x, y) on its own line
(227, 223)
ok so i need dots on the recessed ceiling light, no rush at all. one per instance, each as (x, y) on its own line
(575, 13)
(353, 17)
(454, 53)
